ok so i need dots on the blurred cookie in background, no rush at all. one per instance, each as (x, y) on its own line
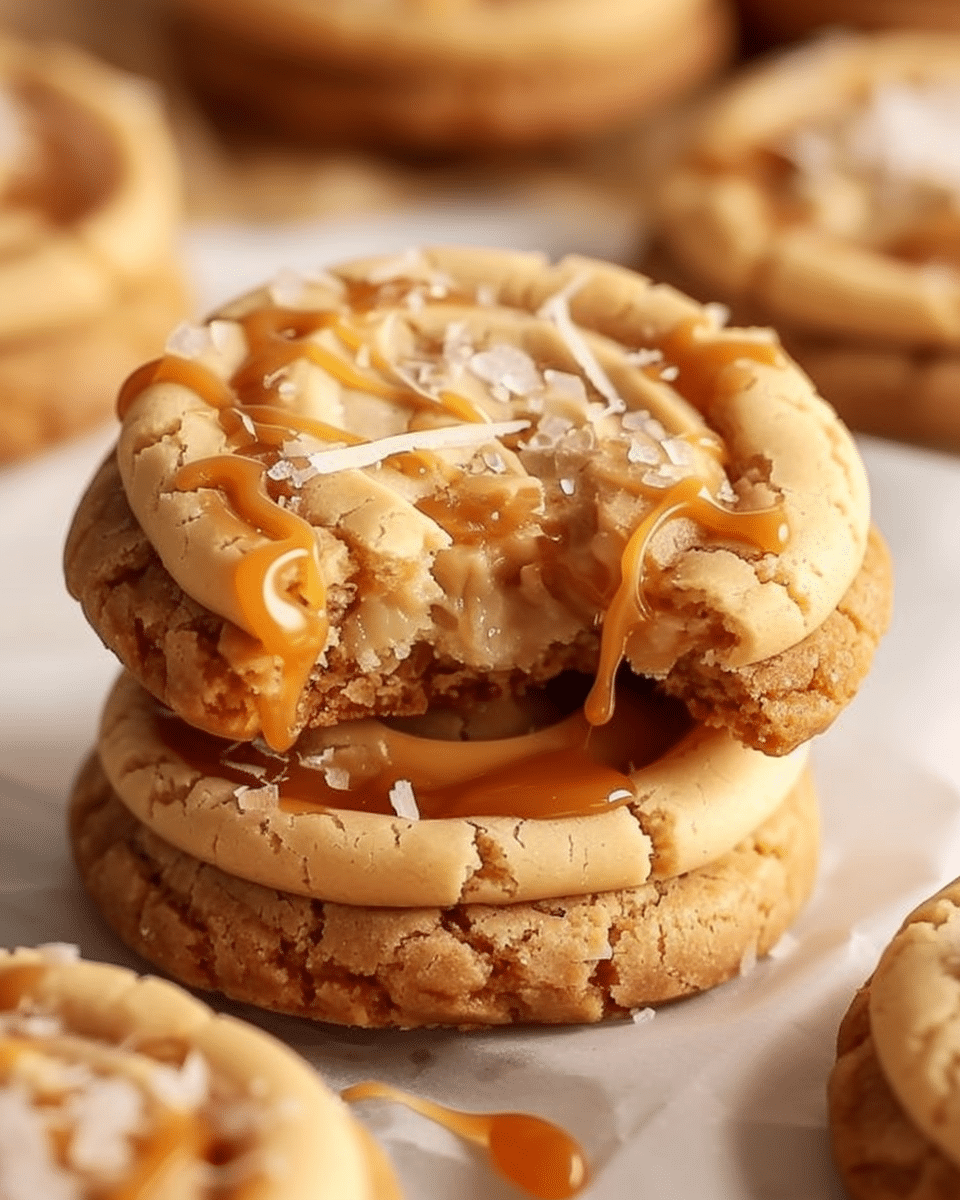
(819, 192)
(771, 21)
(89, 212)
(445, 75)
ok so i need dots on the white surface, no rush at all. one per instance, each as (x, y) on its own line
(721, 1096)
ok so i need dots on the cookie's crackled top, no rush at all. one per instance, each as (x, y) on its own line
(89, 191)
(479, 453)
(115, 1086)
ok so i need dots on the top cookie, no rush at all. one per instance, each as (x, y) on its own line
(443, 472)
(120, 1085)
(821, 190)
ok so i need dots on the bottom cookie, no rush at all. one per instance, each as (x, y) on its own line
(569, 960)
(879, 1152)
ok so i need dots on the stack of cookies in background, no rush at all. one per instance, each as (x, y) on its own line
(820, 193)
(89, 213)
(401, 524)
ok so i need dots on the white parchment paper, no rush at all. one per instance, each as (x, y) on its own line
(720, 1096)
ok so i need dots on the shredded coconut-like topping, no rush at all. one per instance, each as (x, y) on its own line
(368, 454)
(642, 1016)
(183, 1088)
(403, 801)
(59, 953)
(557, 310)
(508, 367)
(250, 798)
(189, 341)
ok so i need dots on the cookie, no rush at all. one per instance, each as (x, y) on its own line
(494, 820)
(574, 959)
(89, 211)
(773, 21)
(434, 476)
(446, 77)
(815, 193)
(115, 1083)
(893, 1095)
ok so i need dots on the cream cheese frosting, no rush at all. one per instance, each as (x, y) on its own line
(481, 453)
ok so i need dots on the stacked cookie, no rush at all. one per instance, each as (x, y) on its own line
(446, 74)
(819, 192)
(893, 1091)
(117, 1085)
(89, 209)
(476, 613)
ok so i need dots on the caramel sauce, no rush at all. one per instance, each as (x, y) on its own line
(700, 363)
(279, 587)
(16, 981)
(564, 769)
(178, 1140)
(533, 1154)
(763, 528)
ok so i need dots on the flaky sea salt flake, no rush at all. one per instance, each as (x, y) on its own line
(189, 341)
(642, 1016)
(403, 801)
(557, 311)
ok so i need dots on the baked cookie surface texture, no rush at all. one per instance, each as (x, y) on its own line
(458, 591)
(894, 1093)
(114, 1084)
(460, 75)
(818, 192)
(89, 210)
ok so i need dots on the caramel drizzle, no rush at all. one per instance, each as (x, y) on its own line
(277, 336)
(701, 379)
(533, 1154)
(257, 425)
(177, 1139)
(567, 769)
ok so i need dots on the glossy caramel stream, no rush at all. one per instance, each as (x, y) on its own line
(537, 1156)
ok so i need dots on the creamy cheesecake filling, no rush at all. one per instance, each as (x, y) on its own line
(390, 457)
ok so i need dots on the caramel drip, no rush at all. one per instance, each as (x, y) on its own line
(279, 585)
(17, 980)
(533, 1154)
(700, 363)
(764, 529)
(566, 769)
(179, 1140)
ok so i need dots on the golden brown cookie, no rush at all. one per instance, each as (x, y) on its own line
(817, 192)
(89, 208)
(117, 1084)
(786, 20)
(435, 475)
(573, 959)
(510, 815)
(466, 74)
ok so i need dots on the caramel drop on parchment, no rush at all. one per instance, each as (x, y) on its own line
(537, 1156)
